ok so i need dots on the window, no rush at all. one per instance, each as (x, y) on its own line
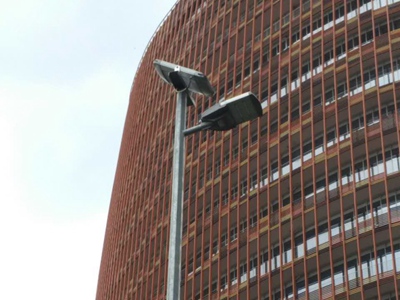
(353, 43)
(357, 123)
(274, 126)
(392, 160)
(338, 276)
(339, 14)
(276, 258)
(225, 198)
(331, 138)
(254, 138)
(361, 171)
(256, 65)
(295, 37)
(275, 49)
(373, 118)
(224, 239)
(306, 107)
(344, 132)
(264, 262)
(287, 252)
(295, 80)
(366, 37)
(217, 167)
(307, 148)
(317, 26)
(317, 100)
(243, 187)
(216, 202)
(323, 234)
(253, 220)
(285, 166)
(253, 182)
(234, 193)
(267, 32)
(305, 71)
(340, 51)
(235, 153)
(295, 114)
(311, 241)
(329, 96)
(328, 58)
(238, 79)
(264, 130)
(395, 24)
(381, 29)
(244, 145)
(265, 57)
(328, 20)
(264, 211)
(285, 44)
(274, 171)
(243, 272)
(319, 146)
(385, 74)
(296, 161)
(264, 176)
(275, 206)
(286, 201)
(230, 86)
(253, 267)
(341, 90)
(247, 70)
(233, 233)
(223, 283)
(226, 159)
(276, 26)
(284, 82)
(333, 181)
(214, 286)
(264, 94)
(306, 32)
(243, 226)
(299, 246)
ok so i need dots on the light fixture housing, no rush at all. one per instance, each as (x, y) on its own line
(228, 114)
(182, 78)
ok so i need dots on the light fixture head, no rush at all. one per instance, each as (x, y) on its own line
(182, 78)
(228, 114)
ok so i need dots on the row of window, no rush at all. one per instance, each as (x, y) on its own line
(364, 219)
(320, 146)
(356, 84)
(361, 170)
(371, 265)
(277, 48)
(332, 137)
(385, 75)
(314, 67)
(330, 18)
(334, 16)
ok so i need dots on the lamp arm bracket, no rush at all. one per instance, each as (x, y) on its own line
(197, 128)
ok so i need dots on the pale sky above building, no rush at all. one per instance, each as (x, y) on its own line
(66, 69)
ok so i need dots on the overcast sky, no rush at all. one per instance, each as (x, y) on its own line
(66, 69)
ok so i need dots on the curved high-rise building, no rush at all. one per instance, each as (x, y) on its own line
(303, 203)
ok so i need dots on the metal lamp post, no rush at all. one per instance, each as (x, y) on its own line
(221, 116)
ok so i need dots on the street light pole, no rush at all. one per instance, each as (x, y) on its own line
(175, 225)
(221, 116)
